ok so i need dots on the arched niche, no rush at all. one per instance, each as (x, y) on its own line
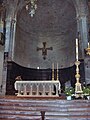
(54, 23)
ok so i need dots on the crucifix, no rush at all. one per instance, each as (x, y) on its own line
(44, 50)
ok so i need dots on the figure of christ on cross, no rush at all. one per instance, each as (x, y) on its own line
(44, 50)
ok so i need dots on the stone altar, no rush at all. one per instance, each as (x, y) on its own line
(37, 88)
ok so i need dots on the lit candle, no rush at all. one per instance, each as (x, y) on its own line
(26, 7)
(76, 49)
(88, 44)
(37, 67)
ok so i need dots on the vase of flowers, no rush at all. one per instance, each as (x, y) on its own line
(69, 92)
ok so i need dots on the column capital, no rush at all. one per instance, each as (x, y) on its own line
(14, 20)
(10, 18)
(79, 17)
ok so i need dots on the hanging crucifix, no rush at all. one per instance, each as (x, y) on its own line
(44, 50)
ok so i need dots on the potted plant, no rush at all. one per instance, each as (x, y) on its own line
(69, 92)
(86, 91)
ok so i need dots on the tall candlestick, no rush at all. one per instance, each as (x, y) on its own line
(76, 49)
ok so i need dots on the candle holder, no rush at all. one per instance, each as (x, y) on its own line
(88, 50)
(78, 88)
(52, 75)
(53, 72)
(57, 75)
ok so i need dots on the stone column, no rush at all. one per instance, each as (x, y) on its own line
(85, 45)
(43, 89)
(50, 89)
(37, 92)
(1, 51)
(12, 7)
(12, 38)
(87, 70)
(56, 85)
(19, 89)
(82, 27)
(25, 89)
(30, 90)
(9, 47)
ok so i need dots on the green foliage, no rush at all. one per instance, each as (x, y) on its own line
(86, 90)
(69, 91)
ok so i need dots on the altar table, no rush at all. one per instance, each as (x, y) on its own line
(37, 88)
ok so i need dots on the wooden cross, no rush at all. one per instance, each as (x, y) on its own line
(44, 50)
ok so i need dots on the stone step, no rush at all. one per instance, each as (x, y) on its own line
(43, 108)
(23, 117)
(33, 109)
(68, 118)
(50, 113)
(46, 103)
(18, 117)
(43, 105)
(42, 99)
(13, 112)
(20, 103)
(84, 113)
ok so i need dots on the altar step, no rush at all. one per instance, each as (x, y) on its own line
(14, 108)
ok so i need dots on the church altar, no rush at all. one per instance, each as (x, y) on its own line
(37, 88)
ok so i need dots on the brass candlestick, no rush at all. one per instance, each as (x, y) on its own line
(52, 71)
(78, 88)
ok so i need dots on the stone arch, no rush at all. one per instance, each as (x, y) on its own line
(63, 25)
(81, 7)
(81, 16)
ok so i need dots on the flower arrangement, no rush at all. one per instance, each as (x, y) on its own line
(86, 90)
(69, 91)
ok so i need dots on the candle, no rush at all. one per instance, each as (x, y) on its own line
(57, 71)
(52, 71)
(76, 49)
(37, 67)
(88, 44)
(52, 66)
(57, 66)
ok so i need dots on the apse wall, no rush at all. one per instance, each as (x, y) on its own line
(54, 23)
